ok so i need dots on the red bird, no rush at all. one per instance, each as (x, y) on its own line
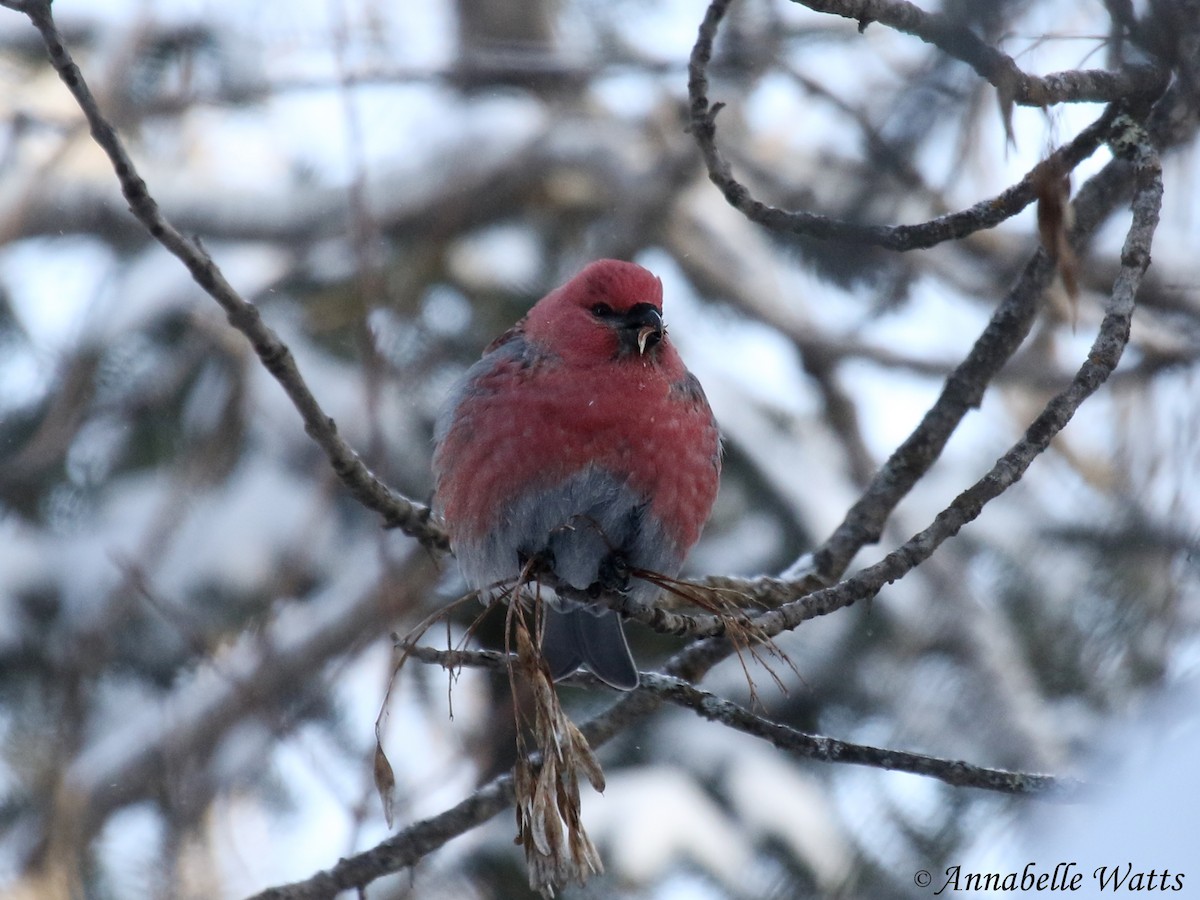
(580, 444)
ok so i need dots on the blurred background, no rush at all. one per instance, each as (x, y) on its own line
(195, 616)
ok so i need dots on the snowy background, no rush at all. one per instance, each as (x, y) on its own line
(195, 616)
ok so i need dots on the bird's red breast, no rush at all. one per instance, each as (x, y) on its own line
(556, 394)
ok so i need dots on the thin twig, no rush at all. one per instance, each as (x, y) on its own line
(827, 749)
(999, 69)
(403, 849)
(801, 603)
(410, 845)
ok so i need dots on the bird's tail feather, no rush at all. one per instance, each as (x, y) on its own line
(583, 637)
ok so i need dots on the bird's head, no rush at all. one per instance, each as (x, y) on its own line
(611, 309)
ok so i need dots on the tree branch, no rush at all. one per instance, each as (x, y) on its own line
(397, 511)
(808, 746)
(959, 42)
(407, 847)
(827, 749)
(796, 599)
(952, 226)
(401, 850)
(800, 602)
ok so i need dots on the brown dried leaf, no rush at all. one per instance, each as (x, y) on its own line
(385, 782)
(549, 825)
(385, 778)
(584, 757)
(1052, 186)
(547, 829)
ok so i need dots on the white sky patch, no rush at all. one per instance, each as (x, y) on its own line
(858, 797)
(684, 885)
(241, 149)
(661, 31)
(52, 285)
(629, 95)
(244, 832)
(1073, 36)
(830, 306)
(505, 256)
(779, 107)
(23, 378)
(130, 844)
(894, 400)
(934, 322)
(776, 376)
(675, 822)
(921, 799)
(425, 33)
(710, 341)
(781, 802)
(404, 126)
(891, 403)
(445, 311)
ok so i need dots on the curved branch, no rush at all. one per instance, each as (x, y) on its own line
(797, 601)
(397, 511)
(984, 214)
(413, 843)
(409, 846)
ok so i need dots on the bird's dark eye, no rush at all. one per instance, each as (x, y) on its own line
(602, 310)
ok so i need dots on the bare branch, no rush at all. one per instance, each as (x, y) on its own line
(794, 600)
(408, 846)
(809, 746)
(397, 511)
(827, 749)
(801, 602)
(493, 660)
(1077, 86)
(804, 598)
(985, 214)
(403, 849)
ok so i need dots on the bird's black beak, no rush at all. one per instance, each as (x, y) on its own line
(643, 327)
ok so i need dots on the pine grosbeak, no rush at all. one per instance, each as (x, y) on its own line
(582, 447)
